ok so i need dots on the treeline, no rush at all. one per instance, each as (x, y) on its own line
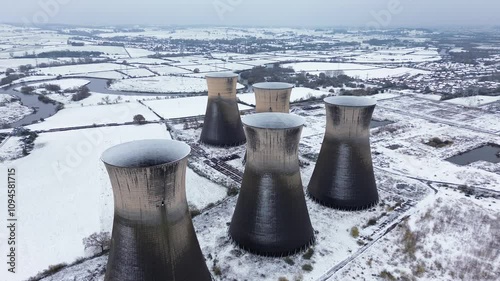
(64, 54)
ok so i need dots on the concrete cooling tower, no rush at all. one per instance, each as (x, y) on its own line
(271, 216)
(272, 97)
(222, 126)
(343, 177)
(153, 236)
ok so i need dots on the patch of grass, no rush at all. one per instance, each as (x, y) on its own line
(307, 267)
(354, 232)
(282, 279)
(307, 255)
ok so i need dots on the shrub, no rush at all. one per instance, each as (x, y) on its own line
(139, 119)
(307, 267)
(282, 279)
(308, 254)
(387, 275)
(438, 143)
(354, 232)
(217, 271)
(232, 191)
(289, 261)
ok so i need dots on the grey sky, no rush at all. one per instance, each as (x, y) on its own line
(255, 12)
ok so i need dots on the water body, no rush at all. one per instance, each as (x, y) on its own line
(488, 153)
(44, 110)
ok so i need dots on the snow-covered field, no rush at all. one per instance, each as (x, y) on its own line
(90, 115)
(163, 84)
(182, 107)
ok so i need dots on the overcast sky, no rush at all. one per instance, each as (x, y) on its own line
(385, 13)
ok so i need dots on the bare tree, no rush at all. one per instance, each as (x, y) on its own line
(100, 240)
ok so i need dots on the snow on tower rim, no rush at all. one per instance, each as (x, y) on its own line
(273, 120)
(145, 153)
(273, 86)
(350, 101)
(221, 75)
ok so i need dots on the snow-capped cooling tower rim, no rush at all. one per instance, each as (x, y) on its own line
(145, 153)
(221, 75)
(351, 101)
(273, 120)
(273, 86)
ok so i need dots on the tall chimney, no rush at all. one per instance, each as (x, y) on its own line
(271, 216)
(272, 97)
(222, 126)
(153, 236)
(343, 177)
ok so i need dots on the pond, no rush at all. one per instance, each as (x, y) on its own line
(488, 153)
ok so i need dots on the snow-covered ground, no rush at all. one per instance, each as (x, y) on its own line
(66, 181)
(81, 69)
(163, 84)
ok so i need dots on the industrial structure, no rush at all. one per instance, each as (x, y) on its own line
(153, 236)
(272, 97)
(271, 216)
(222, 125)
(343, 177)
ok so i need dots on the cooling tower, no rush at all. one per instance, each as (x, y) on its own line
(272, 97)
(271, 216)
(343, 177)
(153, 236)
(222, 126)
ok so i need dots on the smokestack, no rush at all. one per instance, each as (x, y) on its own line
(343, 177)
(153, 236)
(272, 97)
(222, 126)
(271, 216)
